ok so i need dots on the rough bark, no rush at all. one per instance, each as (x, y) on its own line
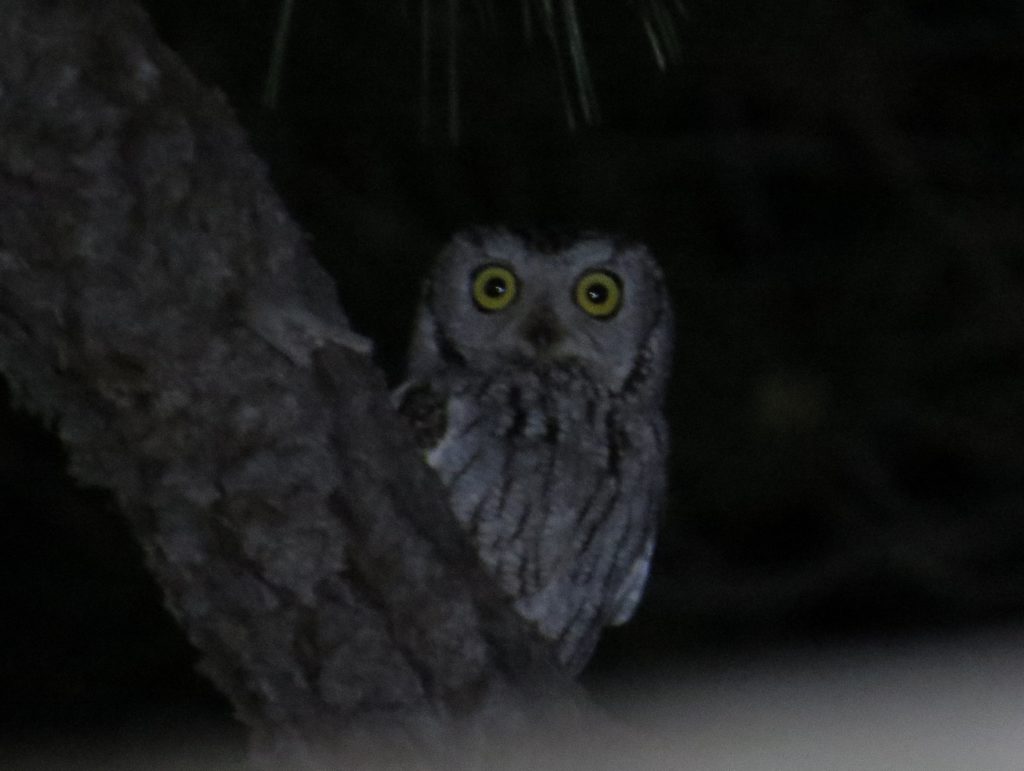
(162, 312)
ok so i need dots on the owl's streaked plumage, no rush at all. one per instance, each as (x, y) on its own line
(536, 377)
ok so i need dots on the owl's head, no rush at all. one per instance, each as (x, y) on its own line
(500, 300)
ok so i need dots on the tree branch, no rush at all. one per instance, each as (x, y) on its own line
(162, 312)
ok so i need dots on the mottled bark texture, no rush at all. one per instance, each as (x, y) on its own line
(162, 312)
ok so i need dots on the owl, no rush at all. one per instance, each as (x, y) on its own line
(536, 377)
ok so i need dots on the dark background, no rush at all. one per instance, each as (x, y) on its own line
(837, 198)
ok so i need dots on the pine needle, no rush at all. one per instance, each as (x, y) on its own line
(426, 56)
(659, 19)
(586, 95)
(272, 88)
(454, 121)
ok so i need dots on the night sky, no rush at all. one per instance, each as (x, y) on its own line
(837, 198)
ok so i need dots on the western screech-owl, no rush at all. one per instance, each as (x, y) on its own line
(536, 378)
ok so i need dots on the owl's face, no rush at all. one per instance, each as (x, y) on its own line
(498, 300)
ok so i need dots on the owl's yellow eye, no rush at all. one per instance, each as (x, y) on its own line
(494, 288)
(599, 293)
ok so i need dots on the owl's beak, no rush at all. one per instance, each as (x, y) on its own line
(542, 330)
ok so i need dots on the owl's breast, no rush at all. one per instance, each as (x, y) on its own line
(550, 486)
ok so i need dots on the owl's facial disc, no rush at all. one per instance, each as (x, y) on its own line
(536, 316)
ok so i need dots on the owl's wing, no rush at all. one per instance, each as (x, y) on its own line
(625, 602)
(426, 409)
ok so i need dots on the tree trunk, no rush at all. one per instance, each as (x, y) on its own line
(159, 308)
